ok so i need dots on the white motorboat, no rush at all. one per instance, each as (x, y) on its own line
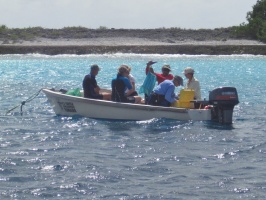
(219, 107)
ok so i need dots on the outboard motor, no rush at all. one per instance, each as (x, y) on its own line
(223, 101)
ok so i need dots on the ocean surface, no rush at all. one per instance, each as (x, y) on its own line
(44, 156)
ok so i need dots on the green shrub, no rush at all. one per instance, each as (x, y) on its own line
(256, 26)
(102, 28)
(3, 28)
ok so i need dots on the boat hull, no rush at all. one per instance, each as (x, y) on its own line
(67, 105)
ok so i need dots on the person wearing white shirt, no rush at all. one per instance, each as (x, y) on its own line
(132, 81)
(192, 82)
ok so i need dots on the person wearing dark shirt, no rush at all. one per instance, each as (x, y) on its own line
(90, 86)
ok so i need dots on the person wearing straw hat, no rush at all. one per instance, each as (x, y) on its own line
(192, 82)
(165, 75)
(164, 93)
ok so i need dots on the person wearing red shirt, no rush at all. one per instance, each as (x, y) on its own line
(165, 75)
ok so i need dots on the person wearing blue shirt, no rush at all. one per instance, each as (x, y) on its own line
(122, 88)
(164, 93)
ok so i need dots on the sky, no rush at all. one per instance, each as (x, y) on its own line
(128, 14)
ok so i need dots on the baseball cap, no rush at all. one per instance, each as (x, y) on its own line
(179, 79)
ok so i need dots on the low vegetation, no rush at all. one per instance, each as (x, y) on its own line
(256, 26)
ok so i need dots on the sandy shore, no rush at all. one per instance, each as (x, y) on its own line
(129, 41)
(101, 45)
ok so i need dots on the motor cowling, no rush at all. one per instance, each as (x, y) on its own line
(223, 101)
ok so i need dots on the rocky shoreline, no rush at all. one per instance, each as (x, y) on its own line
(148, 41)
(139, 49)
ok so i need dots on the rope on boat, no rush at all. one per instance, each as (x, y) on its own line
(24, 102)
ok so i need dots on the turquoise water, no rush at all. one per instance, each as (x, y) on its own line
(43, 156)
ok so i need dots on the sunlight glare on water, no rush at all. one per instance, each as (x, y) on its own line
(44, 156)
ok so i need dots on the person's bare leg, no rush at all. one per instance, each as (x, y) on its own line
(106, 96)
(138, 99)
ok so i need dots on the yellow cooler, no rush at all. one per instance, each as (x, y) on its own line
(186, 95)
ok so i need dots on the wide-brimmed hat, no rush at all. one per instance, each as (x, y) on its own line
(95, 67)
(188, 70)
(179, 79)
(166, 67)
(151, 62)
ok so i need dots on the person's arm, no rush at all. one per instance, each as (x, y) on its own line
(92, 92)
(133, 86)
(129, 92)
(197, 91)
(170, 95)
(97, 89)
(128, 86)
(132, 81)
(147, 69)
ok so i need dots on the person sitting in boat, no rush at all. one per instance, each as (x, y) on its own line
(90, 86)
(119, 86)
(164, 93)
(192, 82)
(132, 81)
(165, 75)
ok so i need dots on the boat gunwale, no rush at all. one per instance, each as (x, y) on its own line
(114, 104)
